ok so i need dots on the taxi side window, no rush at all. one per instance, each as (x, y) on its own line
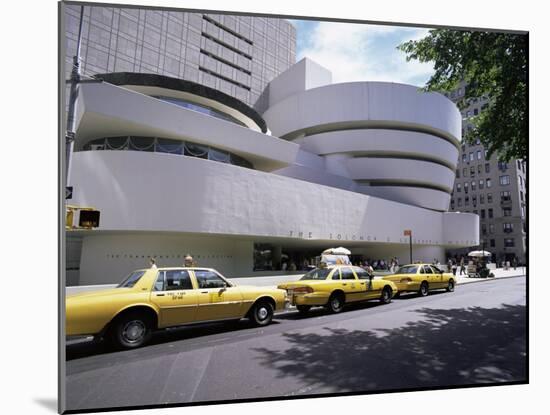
(177, 280)
(336, 275)
(422, 270)
(209, 279)
(159, 283)
(347, 274)
(361, 273)
(427, 269)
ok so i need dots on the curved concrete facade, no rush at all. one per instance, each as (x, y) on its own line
(392, 140)
(215, 199)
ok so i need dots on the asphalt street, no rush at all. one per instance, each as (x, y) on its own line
(474, 335)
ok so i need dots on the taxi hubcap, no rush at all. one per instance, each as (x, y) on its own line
(262, 313)
(336, 303)
(133, 331)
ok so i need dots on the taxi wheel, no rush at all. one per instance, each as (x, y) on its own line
(302, 309)
(423, 291)
(336, 303)
(131, 331)
(451, 286)
(261, 313)
(385, 298)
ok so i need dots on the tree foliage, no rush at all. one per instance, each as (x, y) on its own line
(492, 65)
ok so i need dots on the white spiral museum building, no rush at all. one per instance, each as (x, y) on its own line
(176, 167)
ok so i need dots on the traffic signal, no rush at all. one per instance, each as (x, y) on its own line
(82, 217)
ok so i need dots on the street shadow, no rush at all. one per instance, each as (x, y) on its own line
(443, 348)
(99, 347)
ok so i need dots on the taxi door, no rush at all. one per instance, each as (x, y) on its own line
(439, 279)
(432, 278)
(351, 285)
(217, 300)
(369, 286)
(176, 298)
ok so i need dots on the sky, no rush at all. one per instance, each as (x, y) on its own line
(361, 52)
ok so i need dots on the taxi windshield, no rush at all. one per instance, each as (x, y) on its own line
(131, 279)
(316, 274)
(407, 269)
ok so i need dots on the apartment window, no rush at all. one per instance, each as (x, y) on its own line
(490, 213)
(506, 211)
(479, 169)
(482, 213)
(484, 229)
(466, 187)
(491, 228)
(492, 243)
(467, 201)
(474, 202)
(478, 153)
(475, 211)
(522, 211)
(458, 187)
(489, 198)
(478, 142)
(471, 156)
(464, 171)
(488, 183)
(481, 184)
(472, 171)
(505, 196)
(523, 167)
(487, 168)
(452, 204)
(521, 195)
(509, 242)
(464, 157)
(504, 180)
(485, 153)
(473, 185)
(519, 165)
(459, 202)
(458, 174)
(481, 199)
(463, 146)
(502, 165)
(520, 182)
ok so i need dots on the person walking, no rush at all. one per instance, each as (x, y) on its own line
(454, 268)
(152, 263)
(462, 268)
(188, 261)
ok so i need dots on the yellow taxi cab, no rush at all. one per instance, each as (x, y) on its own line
(151, 299)
(421, 278)
(335, 286)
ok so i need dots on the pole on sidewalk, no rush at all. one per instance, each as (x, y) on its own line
(411, 248)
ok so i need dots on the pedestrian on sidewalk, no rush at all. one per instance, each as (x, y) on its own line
(454, 268)
(152, 263)
(462, 268)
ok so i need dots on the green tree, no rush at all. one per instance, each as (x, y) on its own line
(492, 65)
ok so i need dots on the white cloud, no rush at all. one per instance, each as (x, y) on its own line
(359, 52)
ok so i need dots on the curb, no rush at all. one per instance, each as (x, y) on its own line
(473, 281)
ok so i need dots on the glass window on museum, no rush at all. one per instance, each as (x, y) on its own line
(509, 242)
(489, 198)
(263, 257)
(487, 168)
(490, 213)
(507, 227)
(506, 211)
(504, 180)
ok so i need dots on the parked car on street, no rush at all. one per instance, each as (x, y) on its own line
(421, 278)
(151, 299)
(335, 286)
